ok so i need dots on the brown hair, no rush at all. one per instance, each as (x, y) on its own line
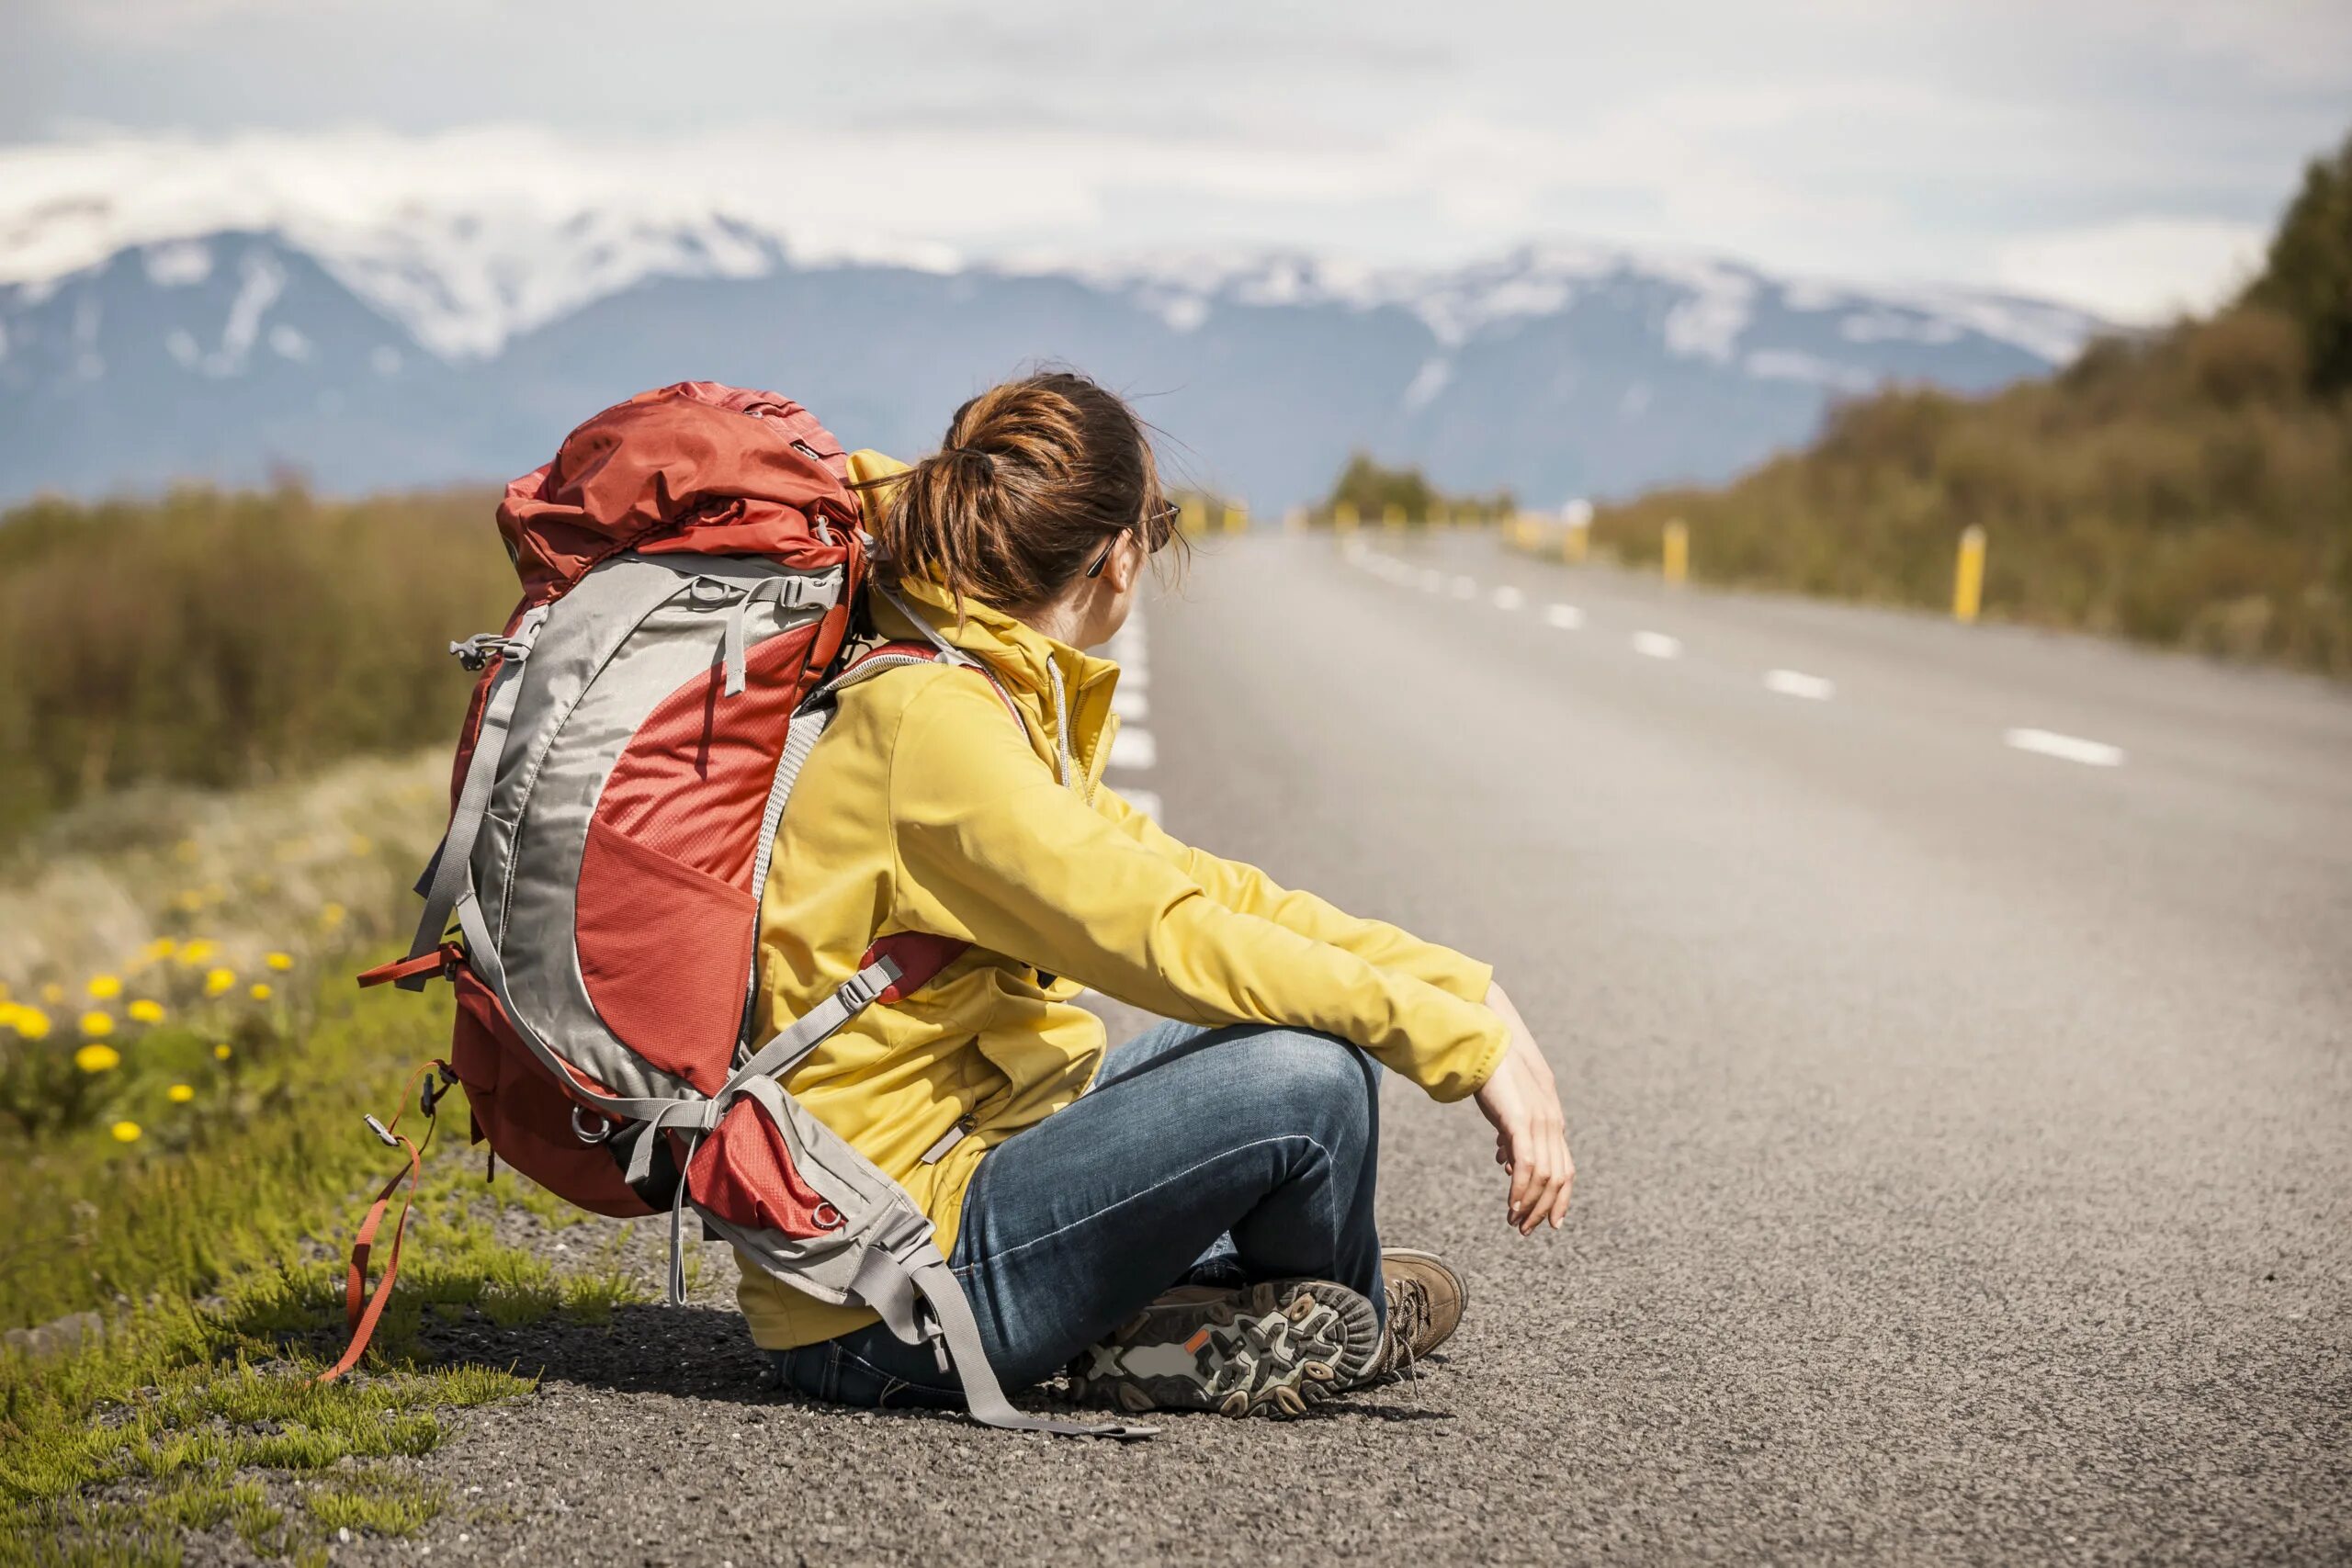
(1035, 477)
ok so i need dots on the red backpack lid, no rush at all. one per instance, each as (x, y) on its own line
(696, 467)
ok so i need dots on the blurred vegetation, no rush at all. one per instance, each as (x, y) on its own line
(224, 638)
(1372, 494)
(2307, 278)
(2192, 488)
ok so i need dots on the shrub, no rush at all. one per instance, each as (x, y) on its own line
(224, 638)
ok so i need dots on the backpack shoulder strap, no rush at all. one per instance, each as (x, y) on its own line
(892, 655)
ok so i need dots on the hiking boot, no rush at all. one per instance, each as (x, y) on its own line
(1426, 1300)
(1271, 1348)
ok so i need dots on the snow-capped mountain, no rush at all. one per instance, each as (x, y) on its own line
(431, 344)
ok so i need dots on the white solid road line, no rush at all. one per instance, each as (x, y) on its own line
(1797, 683)
(2070, 748)
(1133, 748)
(1130, 703)
(1567, 617)
(1509, 598)
(1657, 645)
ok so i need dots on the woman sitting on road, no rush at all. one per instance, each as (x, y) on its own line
(1185, 1222)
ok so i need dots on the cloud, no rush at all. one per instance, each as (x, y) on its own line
(1941, 140)
(2136, 269)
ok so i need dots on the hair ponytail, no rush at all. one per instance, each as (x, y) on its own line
(1034, 477)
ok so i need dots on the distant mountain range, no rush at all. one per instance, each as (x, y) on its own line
(440, 347)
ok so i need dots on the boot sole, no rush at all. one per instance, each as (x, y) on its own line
(1273, 1348)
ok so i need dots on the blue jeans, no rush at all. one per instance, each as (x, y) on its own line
(1211, 1156)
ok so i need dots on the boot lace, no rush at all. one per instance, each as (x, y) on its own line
(1409, 1325)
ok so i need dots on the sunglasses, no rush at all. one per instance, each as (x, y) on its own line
(1159, 524)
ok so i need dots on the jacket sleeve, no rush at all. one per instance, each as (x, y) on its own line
(992, 849)
(1247, 889)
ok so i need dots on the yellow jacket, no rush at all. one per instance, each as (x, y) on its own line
(924, 808)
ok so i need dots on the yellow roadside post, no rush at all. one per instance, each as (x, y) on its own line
(1237, 518)
(1967, 576)
(1392, 517)
(1194, 517)
(1343, 516)
(1676, 552)
(1578, 535)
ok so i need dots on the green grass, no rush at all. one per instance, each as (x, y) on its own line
(194, 1411)
(187, 1415)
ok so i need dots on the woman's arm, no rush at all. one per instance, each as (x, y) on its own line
(1243, 887)
(993, 851)
(1531, 1130)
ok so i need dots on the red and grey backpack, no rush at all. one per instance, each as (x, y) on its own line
(690, 562)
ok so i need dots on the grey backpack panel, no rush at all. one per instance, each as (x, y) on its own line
(657, 627)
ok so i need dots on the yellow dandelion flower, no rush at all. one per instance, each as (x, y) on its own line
(97, 1059)
(124, 1131)
(221, 1053)
(260, 991)
(197, 954)
(157, 951)
(219, 982)
(281, 962)
(180, 1093)
(52, 993)
(146, 1010)
(31, 1023)
(106, 987)
(332, 915)
(98, 1025)
(187, 900)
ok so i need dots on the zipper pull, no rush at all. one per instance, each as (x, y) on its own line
(948, 1140)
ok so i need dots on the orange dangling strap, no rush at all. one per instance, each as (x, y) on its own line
(361, 1310)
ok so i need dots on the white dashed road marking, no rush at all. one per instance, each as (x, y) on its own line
(1796, 683)
(2069, 748)
(1133, 748)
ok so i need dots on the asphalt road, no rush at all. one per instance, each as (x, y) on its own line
(1954, 1029)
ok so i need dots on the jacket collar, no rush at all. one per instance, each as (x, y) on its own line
(1024, 657)
(1027, 661)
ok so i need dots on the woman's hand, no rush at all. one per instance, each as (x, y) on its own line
(1531, 1130)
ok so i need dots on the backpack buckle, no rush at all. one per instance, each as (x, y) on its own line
(436, 1084)
(482, 646)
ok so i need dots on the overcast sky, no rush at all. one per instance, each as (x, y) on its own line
(2125, 154)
